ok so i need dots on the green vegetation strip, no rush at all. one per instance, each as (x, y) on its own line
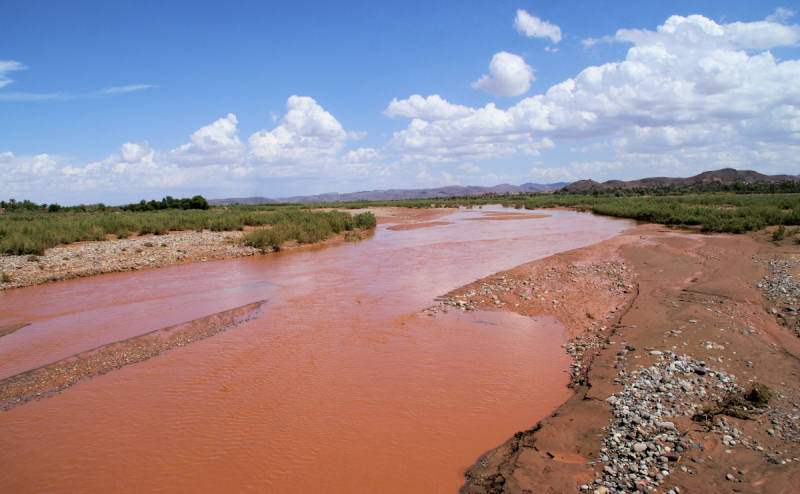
(707, 211)
(711, 212)
(31, 230)
(306, 228)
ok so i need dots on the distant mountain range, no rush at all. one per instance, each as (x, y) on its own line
(725, 176)
(392, 194)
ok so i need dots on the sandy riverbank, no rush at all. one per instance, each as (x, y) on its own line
(664, 325)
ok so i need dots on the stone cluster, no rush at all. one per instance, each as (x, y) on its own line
(782, 289)
(642, 445)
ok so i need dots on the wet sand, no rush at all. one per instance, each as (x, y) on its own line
(694, 295)
(504, 215)
(10, 329)
(414, 226)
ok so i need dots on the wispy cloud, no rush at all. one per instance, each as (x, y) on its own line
(590, 42)
(125, 89)
(20, 96)
(7, 66)
(781, 15)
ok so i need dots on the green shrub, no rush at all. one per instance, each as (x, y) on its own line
(779, 234)
(366, 221)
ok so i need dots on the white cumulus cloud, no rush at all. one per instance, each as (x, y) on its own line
(434, 107)
(533, 27)
(509, 75)
(307, 143)
(306, 133)
(217, 143)
(691, 95)
(691, 90)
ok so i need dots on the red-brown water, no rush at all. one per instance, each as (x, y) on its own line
(340, 385)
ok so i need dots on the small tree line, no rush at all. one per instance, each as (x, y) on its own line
(169, 202)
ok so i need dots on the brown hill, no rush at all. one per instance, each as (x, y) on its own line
(725, 176)
(395, 194)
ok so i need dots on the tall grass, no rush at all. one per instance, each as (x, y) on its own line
(717, 212)
(306, 227)
(31, 232)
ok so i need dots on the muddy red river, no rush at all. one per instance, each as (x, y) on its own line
(339, 384)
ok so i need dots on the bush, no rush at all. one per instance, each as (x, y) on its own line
(305, 227)
(759, 394)
(366, 221)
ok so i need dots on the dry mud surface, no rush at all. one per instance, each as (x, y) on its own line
(669, 332)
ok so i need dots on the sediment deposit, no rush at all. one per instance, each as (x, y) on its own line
(694, 383)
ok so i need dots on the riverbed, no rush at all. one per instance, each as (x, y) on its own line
(341, 383)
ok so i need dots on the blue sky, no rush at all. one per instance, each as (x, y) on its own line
(117, 101)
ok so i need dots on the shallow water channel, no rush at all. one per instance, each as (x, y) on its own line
(340, 384)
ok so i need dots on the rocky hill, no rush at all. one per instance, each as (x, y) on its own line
(395, 194)
(725, 176)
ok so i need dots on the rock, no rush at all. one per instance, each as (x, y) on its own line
(639, 447)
